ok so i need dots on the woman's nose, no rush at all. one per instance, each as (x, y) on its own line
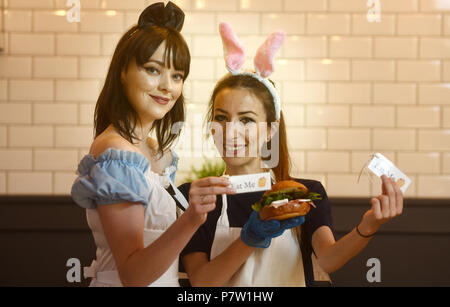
(165, 83)
(234, 129)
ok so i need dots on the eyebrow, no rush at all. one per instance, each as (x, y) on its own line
(163, 65)
(158, 62)
(240, 113)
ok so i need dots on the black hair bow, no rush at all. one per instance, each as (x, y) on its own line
(170, 16)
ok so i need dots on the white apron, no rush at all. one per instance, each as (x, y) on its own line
(159, 215)
(279, 265)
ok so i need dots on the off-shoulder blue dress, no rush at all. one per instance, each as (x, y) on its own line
(117, 176)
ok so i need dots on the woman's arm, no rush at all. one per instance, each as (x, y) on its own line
(123, 225)
(333, 255)
(218, 271)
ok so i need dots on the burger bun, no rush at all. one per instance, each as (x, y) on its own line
(290, 209)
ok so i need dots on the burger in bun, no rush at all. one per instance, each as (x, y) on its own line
(286, 199)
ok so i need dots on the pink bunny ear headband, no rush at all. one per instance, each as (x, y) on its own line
(235, 56)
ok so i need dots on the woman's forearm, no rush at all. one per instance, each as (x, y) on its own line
(220, 270)
(148, 264)
(339, 253)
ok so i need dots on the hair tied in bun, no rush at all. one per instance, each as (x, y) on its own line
(169, 16)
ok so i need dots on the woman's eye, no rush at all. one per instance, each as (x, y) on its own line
(220, 118)
(152, 70)
(246, 120)
(178, 77)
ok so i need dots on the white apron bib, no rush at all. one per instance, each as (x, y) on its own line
(159, 216)
(279, 265)
(112, 279)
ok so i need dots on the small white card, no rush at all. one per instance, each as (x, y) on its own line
(251, 183)
(380, 165)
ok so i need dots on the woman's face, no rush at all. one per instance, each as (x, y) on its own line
(239, 126)
(153, 88)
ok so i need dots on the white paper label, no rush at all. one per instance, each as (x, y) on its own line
(251, 183)
(380, 165)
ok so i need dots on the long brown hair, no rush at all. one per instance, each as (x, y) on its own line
(113, 106)
(282, 169)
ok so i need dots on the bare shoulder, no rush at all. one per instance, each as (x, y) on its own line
(110, 140)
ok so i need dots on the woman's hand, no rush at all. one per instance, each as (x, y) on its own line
(258, 233)
(202, 196)
(384, 207)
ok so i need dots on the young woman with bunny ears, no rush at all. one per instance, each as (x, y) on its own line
(122, 180)
(225, 250)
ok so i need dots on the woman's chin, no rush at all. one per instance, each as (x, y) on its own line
(156, 115)
(157, 111)
(236, 161)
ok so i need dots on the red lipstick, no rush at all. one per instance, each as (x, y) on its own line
(160, 100)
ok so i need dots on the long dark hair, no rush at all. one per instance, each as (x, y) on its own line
(282, 169)
(113, 106)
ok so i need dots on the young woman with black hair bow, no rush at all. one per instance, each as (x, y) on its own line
(122, 180)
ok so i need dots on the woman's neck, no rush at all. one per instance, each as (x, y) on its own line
(141, 132)
(252, 167)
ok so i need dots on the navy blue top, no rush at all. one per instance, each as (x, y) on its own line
(239, 210)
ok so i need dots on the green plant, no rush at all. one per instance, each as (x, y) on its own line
(209, 168)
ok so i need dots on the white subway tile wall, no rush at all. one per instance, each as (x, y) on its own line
(349, 87)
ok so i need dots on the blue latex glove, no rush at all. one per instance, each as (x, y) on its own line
(258, 233)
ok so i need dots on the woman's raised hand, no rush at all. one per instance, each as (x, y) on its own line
(385, 207)
(202, 196)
